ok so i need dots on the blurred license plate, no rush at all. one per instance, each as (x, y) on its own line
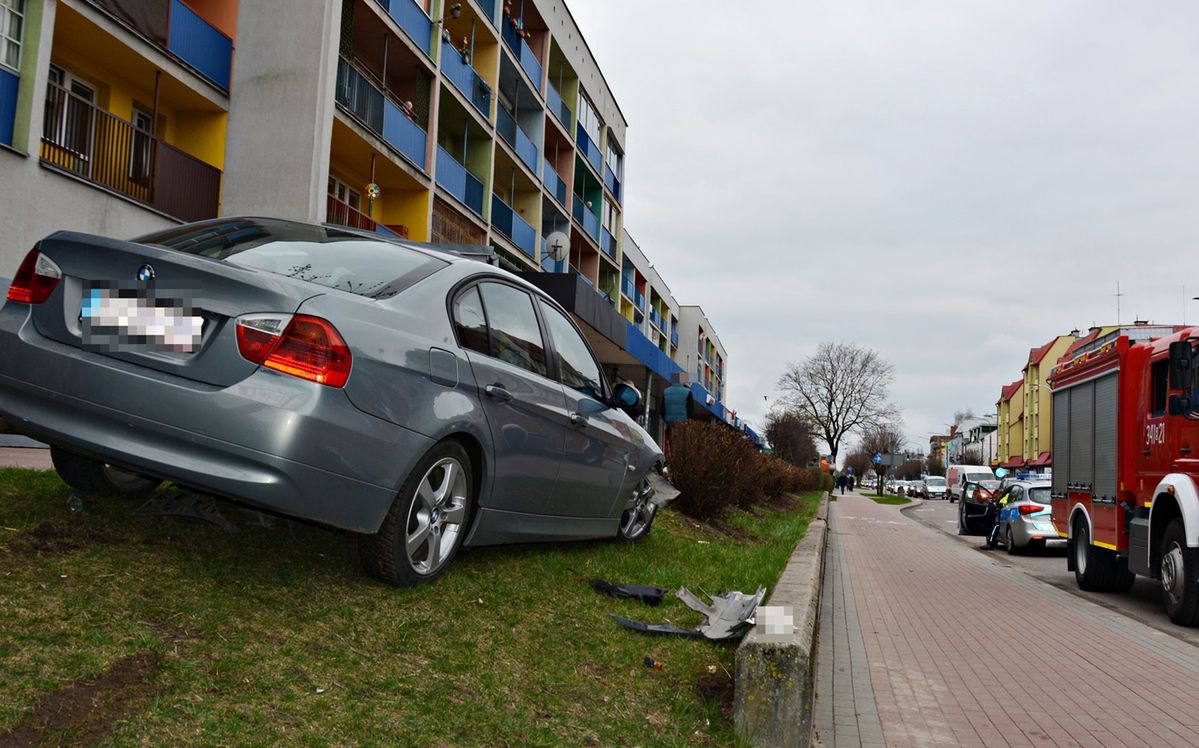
(139, 319)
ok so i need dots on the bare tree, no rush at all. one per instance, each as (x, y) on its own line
(860, 462)
(840, 389)
(790, 437)
(935, 466)
(910, 470)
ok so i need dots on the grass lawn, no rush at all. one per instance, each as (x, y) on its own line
(890, 500)
(155, 631)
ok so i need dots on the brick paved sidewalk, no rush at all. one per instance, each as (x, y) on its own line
(923, 613)
(26, 457)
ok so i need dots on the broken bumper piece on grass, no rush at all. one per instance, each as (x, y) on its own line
(728, 617)
(644, 593)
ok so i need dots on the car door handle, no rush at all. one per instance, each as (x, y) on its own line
(578, 419)
(497, 392)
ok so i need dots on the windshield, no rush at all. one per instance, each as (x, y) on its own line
(935, 481)
(318, 254)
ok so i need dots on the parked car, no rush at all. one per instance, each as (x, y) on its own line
(956, 476)
(916, 488)
(975, 510)
(934, 487)
(422, 401)
(1025, 519)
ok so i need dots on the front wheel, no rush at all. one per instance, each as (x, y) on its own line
(426, 523)
(1179, 571)
(638, 519)
(94, 478)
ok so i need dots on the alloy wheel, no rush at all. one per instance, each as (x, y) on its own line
(637, 519)
(436, 516)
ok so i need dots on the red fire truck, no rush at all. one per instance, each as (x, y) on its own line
(1125, 424)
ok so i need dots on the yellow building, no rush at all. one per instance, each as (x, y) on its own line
(1010, 409)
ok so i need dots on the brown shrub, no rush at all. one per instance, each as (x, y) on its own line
(710, 464)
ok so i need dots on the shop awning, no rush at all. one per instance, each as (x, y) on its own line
(1045, 459)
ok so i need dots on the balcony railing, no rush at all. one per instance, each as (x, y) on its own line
(589, 148)
(459, 182)
(363, 99)
(557, 105)
(656, 318)
(81, 139)
(523, 53)
(343, 214)
(554, 181)
(465, 79)
(9, 85)
(488, 8)
(608, 243)
(511, 225)
(175, 27)
(674, 338)
(626, 286)
(584, 216)
(516, 137)
(639, 299)
(613, 183)
(412, 19)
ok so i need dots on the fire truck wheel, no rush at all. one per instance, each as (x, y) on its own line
(1122, 578)
(1179, 571)
(1094, 568)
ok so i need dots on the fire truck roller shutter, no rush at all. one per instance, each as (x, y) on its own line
(1183, 501)
(1105, 438)
(1061, 441)
(1081, 475)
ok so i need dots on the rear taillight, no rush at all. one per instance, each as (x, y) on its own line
(36, 279)
(1031, 508)
(302, 346)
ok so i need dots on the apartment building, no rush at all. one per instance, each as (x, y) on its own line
(1010, 410)
(476, 122)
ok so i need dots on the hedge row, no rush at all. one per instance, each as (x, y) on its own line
(716, 468)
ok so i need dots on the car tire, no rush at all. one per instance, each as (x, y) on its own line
(1009, 544)
(427, 521)
(1094, 568)
(961, 521)
(1179, 575)
(636, 522)
(95, 478)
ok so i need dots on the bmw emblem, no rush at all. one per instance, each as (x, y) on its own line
(145, 273)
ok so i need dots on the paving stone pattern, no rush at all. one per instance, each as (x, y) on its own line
(941, 646)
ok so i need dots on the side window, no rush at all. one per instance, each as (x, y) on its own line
(515, 334)
(1159, 378)
(471, 322)
(576, 366)
(1017, 495)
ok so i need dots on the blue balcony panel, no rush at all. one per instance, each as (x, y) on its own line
(642, 349)
(626, 286)
(400, 131)
(413, 20)
(639, 299)
(200, 45)
(589, 148)
(584, 216)
(520, 142)
(523, 53)
(459, 182)
(488, 8)
(613, 183)
(558, 106)
(608, 243)
(555, 183)
(511, 225)
(9, 84)
(466, 80)
(674, 338)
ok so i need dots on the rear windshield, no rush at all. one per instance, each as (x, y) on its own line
(935, 481)
(323, 255)
(975, 477)
(1039, 495)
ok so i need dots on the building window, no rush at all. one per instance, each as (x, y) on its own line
(609, 217)
(615, 161)
(589, 120)
(342, 191)
(12, 25)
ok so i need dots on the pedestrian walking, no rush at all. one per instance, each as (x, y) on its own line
(841, 481)
(852, 482)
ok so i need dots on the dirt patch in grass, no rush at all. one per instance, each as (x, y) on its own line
(48, 538)
(85, 713)
(716, 689)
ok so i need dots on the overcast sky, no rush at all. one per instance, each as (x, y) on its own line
(950, 183)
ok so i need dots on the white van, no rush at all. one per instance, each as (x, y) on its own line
(958, 475)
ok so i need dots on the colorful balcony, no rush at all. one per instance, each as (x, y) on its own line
(656, 318)
(465, 79)
(9, 84)
(608, 243)
(199, 44)
(412, 19)
(379, 114)
(523, 54)
(613, 183)
(639, 299)
(626, 286)
(589, 148)
(557, 106)
(511, 225)
(589, 220)
(343, 214)
(555, 183)
(459, 182)
(91, 144)
(515, 137)
(674, 338)
(488, 8)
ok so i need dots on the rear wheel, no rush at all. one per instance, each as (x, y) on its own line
(1009, 543)
(426, 523)
(1094, 567)
(1180, 576)
(97, 478)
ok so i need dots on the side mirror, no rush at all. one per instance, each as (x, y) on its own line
(627, 398)
(1181, 361)
(1178, 405)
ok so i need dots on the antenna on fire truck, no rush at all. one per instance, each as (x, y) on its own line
(1118, 295)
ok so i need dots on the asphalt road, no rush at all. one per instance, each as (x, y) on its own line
(1142, 603)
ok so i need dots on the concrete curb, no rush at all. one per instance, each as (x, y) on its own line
(774, 686)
